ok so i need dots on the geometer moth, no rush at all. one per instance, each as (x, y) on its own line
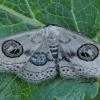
(37, 55)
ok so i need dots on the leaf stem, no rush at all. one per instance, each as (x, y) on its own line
(34, 21)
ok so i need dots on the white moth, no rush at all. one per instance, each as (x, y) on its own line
(37, 55)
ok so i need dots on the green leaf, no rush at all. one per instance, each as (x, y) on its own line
(21, 15)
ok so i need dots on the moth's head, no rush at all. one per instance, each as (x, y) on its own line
(52, 34)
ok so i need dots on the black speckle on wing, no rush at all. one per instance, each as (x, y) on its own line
(14, 51)
(67, 59)
(71, 54)
(27, 52)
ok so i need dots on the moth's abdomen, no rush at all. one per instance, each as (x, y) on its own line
(54, 51)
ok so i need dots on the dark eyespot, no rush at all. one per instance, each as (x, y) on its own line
(87, 52)
(12, 48)
(38, 58)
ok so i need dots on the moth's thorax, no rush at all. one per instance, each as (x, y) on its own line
(52, 37)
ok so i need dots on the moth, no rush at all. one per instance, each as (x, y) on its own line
(37, 55)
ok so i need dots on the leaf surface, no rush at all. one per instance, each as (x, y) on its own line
(21, 15)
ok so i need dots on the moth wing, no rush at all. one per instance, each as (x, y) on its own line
(17, 49)
(81, 55)
(40, 66)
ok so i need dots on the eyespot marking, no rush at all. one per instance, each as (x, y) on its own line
(88, 52)
(38, 58)
(12, 49)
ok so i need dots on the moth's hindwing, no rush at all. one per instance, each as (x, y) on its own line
(38, 68)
